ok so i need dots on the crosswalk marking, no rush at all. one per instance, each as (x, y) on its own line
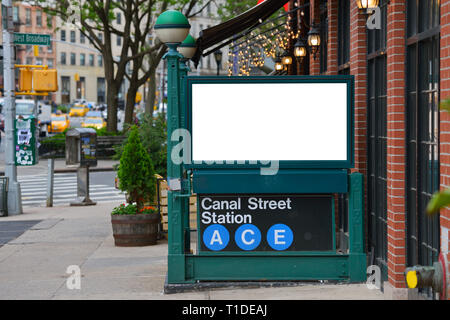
(34, 190)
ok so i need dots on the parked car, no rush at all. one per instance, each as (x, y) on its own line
(78, 110)
(97, 123)
(94, 114)
(59, 123)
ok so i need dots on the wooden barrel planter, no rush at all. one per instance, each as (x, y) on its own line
(135, 230)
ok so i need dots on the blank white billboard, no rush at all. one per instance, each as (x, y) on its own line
(269, 121)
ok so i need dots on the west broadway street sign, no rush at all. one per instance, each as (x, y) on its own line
(32, 39)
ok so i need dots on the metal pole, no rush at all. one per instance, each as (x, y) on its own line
(176, 246)
(50, 181)
(14, 194)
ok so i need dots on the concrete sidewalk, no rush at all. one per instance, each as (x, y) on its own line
(33, 266)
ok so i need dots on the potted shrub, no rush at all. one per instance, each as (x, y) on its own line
(136, 223)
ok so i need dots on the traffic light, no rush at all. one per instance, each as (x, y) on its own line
(36, 51)
(45, 80)
(25, 80)
(77, 77)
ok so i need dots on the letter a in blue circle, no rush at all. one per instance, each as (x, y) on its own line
(280, 237)
(216, 237)
(247, 237)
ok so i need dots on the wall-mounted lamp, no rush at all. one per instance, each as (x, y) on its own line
(367, 4)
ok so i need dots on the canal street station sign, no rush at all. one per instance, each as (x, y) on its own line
(266, 223)
(32, 39)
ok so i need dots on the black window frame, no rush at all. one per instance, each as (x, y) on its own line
(344, 36)
(422, 115)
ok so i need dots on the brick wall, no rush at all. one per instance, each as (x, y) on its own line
(332, 50)
(445, 128)
(358, 68)
(314, 68)
(396, 167)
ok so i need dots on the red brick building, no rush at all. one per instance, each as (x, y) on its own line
(402, 139)
(400, 59)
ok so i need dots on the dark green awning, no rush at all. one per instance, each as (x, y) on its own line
(248, 20)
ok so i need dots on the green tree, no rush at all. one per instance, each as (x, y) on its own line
(136, 174)
(98, 21)
(153, 135)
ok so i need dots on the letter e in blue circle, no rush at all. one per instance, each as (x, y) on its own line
(280, 237)
(247, 237)
(216, 237)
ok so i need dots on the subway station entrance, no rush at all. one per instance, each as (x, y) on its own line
(260, 219)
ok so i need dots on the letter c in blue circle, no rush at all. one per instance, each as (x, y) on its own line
(247, 237)
(280, 237)
(216, 237)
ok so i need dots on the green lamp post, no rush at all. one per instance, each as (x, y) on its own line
(187, 48)
(172, 27)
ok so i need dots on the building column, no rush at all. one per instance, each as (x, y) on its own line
(358, 68)
(444, 136)
(332, 63)
(314, 14)
(396, 148)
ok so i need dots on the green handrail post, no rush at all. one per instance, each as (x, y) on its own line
(185, 201)
(176, 246)
(357, 257)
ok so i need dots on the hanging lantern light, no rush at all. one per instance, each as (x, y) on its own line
(314, 40)
(367, 4)
(300, 50)
(278, 64)
(286, 59)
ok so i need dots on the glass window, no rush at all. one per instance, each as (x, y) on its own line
(82, 59)
(73, 36)
(91, 60)
(119, 41)
(100, 60)
(16, 14)
(422, 103)
(63, 58)
(50, 63)
(39, 18)
(119, 18)
(343, 32)
(73, 59)
(323, 51)
(63, 35)
(28, 16)
(82, 37)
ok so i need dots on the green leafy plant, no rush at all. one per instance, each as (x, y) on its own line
(440, 199)
(153, 134)
(136, 174)
(125, 209)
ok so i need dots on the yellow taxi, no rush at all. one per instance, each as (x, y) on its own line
(94, 122)
(59, 123)
(78, 110)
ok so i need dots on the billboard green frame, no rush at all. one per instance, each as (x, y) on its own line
(301, 164)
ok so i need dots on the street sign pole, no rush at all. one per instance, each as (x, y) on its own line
(14, 194)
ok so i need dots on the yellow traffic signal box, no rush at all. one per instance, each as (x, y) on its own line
(45, 80)
(25, 80)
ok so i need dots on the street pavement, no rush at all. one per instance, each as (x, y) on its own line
(34, 264)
